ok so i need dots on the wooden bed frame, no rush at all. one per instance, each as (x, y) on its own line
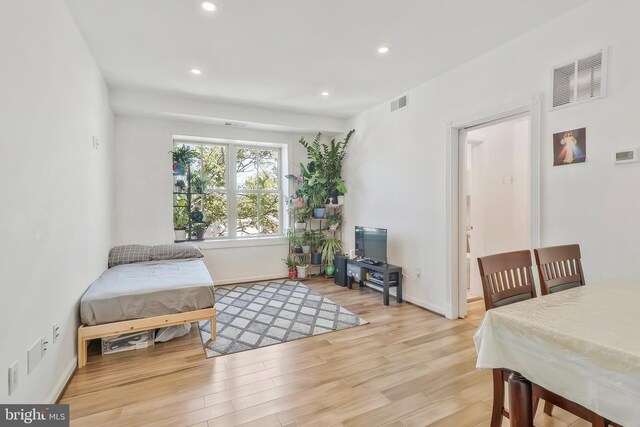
(86, 333)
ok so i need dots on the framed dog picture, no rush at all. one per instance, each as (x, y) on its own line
(570, 147)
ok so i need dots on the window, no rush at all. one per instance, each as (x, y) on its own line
(237, 187)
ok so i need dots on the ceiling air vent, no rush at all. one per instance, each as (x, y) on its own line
(399, 103)
(581, 80)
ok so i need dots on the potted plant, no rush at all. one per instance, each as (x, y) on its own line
(331, 246)
(294, 241)
(179, 186)
(316, 244)
(306, 241)
(180, 223)
(318, 240)
(199, 182)
(200, 229)
(196, 215)
(302, 215)
(291, 266)
(334, 221)
(301, 267)
(183, 156)
(317, 193)
(322, 177)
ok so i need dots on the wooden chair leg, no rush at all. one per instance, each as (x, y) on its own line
(534, 405)
(498, 398)
(548, 408)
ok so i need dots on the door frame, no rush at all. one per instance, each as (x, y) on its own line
(456, 296)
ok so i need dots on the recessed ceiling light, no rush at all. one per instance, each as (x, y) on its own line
(324, 93)
(383, 49)
(196, 71)
(209, 6)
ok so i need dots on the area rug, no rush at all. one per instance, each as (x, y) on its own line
(259, 315)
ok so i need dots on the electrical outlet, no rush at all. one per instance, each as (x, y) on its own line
(56, 332)
(13, 377)
(44, 344)
(418, 272)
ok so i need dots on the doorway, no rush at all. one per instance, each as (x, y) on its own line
(495, 194)
(456, 251)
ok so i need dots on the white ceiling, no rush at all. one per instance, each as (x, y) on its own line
(281, 54)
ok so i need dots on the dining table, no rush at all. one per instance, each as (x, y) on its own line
(582, 344)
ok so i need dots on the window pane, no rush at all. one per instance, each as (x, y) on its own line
(213, 166)
(247, 168)
(269, 214)
(247, 215)
(268, 170)
(214, 207)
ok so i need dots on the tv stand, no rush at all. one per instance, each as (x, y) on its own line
(378, 276)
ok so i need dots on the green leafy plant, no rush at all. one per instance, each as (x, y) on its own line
(302, 262)
(199, 226)
(334, 220)
(302, 214)
(307, 238)
(331, 246)
(180, 219)
(318, 240)
(290, 263)
(294, 239)
(325, 162)
(184, 154)
(200, 181)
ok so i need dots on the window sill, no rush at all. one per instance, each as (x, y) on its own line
(242, 243)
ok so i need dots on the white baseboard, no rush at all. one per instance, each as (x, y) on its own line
(249, 279)
(62, 382)
(424, 304)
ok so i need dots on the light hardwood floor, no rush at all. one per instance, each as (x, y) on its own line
(407, 367)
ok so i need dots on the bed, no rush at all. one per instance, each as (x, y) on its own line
(143, 295)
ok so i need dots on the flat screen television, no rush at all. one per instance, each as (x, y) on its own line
(371, 243)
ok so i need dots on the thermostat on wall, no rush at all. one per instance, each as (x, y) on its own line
(630, 156)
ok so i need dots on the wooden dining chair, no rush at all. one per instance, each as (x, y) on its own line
(559, 268)
(506, 279)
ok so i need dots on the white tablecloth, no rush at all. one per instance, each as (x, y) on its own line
(582, 343)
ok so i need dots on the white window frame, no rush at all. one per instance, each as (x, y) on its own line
(231, 183)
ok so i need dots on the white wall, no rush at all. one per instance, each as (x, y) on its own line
(143, 188)
(56, 222)
(396, 168)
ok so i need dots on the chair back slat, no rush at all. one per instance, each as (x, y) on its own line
(506, 278)
(559, 268)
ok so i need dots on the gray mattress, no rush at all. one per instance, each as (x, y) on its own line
(147, 289)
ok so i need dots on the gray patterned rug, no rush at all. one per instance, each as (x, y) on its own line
(258, 315)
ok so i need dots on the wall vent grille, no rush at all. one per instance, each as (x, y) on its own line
(399, 103)
(579, 81)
